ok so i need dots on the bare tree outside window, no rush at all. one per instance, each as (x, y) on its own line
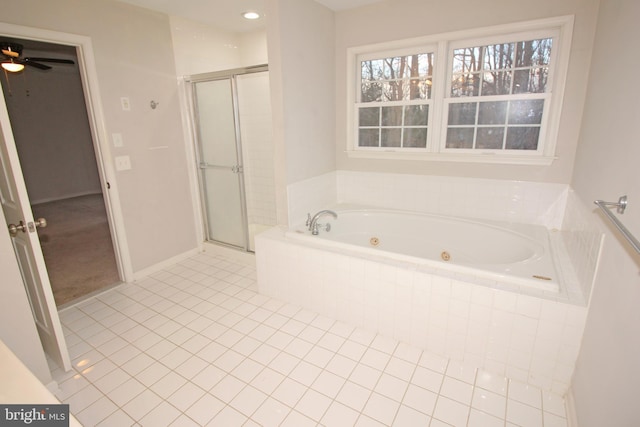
(503, 71)
(397, 91)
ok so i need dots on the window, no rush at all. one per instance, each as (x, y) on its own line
(508, 86)
(395, 97)
(462, 96)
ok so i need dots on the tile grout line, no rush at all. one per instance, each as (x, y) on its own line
(435, 405)
(106, 357)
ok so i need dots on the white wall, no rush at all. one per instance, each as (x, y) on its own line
(49, 121)
(276, 83)
(17, 328)
(300, 39)
(301, 57)
(254, 104)
(400, 19)
(605, 384)
(134, 58)
(199, 48)
(253, 48)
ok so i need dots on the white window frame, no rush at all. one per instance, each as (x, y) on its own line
(559, 28)
(418, 49)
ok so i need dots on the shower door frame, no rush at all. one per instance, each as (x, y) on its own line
(190, 82)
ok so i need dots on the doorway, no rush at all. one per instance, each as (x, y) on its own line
(232, 126)
(53, 137)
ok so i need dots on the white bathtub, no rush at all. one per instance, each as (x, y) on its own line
(517, 254)
(483, 306)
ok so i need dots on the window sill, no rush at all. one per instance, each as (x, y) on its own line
(488, 158)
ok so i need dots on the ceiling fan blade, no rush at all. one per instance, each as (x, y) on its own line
(56, 60)
(34, 64)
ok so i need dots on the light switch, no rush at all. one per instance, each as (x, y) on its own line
(117, 140)
(126, 105)
(123, 163)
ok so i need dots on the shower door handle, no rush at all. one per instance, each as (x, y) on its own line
(205, 165)
(234, 168)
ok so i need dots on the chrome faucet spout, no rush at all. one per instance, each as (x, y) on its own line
(313, 222)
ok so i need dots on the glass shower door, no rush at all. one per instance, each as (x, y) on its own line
(220, 162)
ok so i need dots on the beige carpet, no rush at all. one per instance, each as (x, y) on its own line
(77, 247)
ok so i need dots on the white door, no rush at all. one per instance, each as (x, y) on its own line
(17, 210)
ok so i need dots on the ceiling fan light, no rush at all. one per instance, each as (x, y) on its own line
(251, 15)
(12, 67)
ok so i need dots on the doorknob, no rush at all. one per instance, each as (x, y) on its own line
(13, 229)
(39, 223)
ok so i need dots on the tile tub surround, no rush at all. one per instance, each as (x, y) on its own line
(554, 206)
(492, 199)
(583, 239)
(531, 339)
(195, 344)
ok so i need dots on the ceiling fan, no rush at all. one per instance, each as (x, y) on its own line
(13, 62)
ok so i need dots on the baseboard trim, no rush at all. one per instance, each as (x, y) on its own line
(236, 254)
(570, 408)
(141, 274)
(52, 386)
(66, 197)
(83, 298)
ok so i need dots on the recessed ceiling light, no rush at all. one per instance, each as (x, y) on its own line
(251, 15)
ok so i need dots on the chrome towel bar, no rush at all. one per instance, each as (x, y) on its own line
(620, 206)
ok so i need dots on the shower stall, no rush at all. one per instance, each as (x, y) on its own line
(231, 120)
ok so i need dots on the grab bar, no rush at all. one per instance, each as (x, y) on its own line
(621, 205)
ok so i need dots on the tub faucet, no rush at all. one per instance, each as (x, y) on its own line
(312, 222)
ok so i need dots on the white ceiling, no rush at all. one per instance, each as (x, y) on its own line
(346, 4)
(226, 14)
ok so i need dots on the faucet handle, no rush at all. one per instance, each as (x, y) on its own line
(308, 223)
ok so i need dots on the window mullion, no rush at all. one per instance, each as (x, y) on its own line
(440, 88)
(480, 71)
(402, 127)
(506, 127)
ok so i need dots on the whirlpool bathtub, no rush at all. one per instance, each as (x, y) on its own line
(518, 254)
(490, 294)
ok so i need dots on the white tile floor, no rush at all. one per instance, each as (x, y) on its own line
(195, 345)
